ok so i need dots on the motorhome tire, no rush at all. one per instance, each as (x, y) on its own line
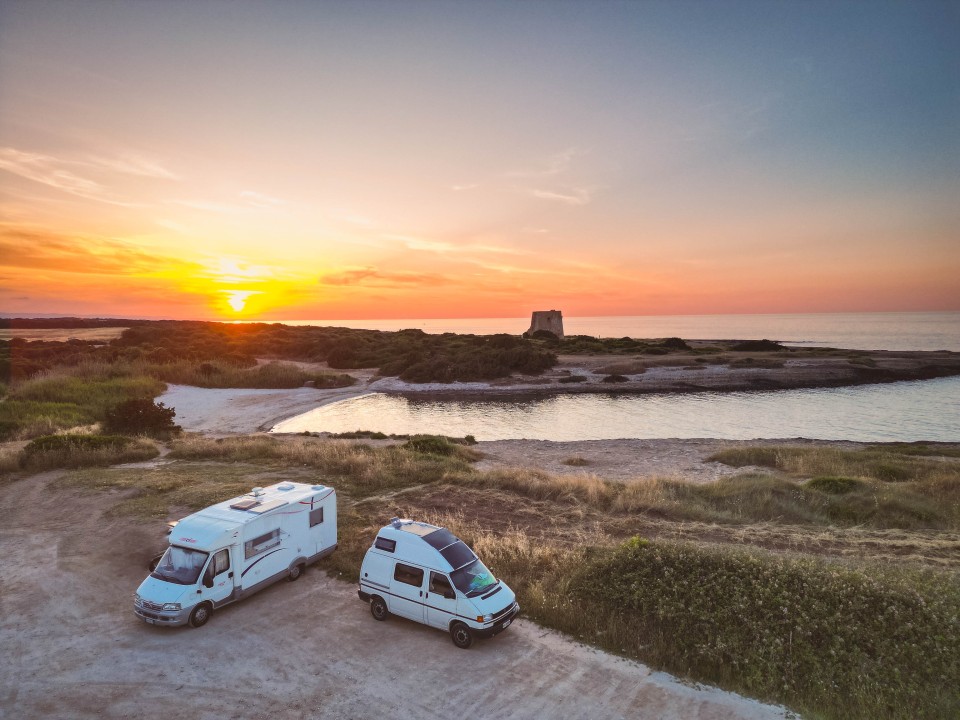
(201, 613)
(378, 608)
(295, 572)
(461, 635)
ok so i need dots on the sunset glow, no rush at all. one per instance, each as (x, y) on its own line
(431, 159)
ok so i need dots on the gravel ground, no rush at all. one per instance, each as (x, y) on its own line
(72, 647)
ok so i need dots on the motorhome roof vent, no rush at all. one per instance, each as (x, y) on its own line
(286, 486)
(245, 504)
(318, 487)
(257, 492)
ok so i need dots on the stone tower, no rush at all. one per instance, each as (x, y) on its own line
(550, 320)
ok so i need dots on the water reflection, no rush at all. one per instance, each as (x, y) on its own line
(906, 411)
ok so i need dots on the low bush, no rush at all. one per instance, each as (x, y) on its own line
(573, 379)
(615, 379)
(576, 461)
(74, 451)
(758, 346)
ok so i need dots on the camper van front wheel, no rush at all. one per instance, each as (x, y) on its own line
(378, 608)
(461, 635)
(200, 615)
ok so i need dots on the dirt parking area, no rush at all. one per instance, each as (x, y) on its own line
(72, 647)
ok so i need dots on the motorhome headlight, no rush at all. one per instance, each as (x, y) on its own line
(484, 618)
(171, 606)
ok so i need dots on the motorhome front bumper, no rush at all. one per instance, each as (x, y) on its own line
(501, 624)
(153, 614)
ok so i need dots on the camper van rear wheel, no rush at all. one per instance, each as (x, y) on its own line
(461, 635)
(201, 613)
(295, 572)
(378, 608)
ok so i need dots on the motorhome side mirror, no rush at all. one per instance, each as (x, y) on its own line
(450, 595)
(207, 581)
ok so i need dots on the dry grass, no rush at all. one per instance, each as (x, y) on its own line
(576, 461)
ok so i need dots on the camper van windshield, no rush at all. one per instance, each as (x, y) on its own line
(180, 565)
(473, 579)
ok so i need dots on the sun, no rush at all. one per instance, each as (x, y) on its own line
(237, 299)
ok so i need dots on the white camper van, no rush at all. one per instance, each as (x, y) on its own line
(426, 573)
(230, 550)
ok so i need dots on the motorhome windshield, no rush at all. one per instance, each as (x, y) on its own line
(180, 565)
(473, 579)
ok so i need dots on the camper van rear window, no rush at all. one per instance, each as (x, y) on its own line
(385, 544)
(259, 545)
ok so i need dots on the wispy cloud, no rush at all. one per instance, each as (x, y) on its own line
(574, 196)
(554, 165)
(259, 200)
(90, 178)
(248, 201)
(443, 247)
(34, 249)
(372, 277)
(459, 188)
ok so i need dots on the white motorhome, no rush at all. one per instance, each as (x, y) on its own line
(231, 550)
(426, 573)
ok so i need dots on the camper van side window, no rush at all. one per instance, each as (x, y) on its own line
(409, 575)
(252, 548)
(385, 544)
(316, 516)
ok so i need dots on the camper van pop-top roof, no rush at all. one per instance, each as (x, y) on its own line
(425, 544)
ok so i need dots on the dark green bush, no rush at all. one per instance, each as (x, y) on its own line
(573, 379)
(141, 417)
(615, 379)
(758, 346)
(834, 485)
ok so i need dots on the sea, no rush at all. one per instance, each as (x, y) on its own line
(853, 331)
(904, 411)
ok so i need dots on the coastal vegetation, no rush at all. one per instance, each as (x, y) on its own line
(826, 580)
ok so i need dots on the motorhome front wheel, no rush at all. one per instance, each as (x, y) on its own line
(200, 615)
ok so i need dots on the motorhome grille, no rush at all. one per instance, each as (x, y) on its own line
(500, 613)
(146, 604)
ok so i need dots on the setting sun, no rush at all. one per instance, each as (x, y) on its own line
(237, 299)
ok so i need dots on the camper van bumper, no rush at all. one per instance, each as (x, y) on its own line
(500, 625)
(162, 618)
(365, 596)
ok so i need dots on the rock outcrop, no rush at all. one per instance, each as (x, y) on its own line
(549, 320)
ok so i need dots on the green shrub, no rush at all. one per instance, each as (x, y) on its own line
(615, 379)
(430, 444)
(141, 417)
(834, 485)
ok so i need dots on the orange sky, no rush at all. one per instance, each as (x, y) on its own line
(436, 160)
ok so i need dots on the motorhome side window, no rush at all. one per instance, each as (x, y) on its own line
(409, 575)
(385, 544)
(252, 548)
(316, 516)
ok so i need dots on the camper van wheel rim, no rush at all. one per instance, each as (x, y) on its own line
(200, 615)
(295, 572)
(461, 635)
(378, 608)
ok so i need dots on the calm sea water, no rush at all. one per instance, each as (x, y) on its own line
(904, 411)
(856, 331)
(924, 410)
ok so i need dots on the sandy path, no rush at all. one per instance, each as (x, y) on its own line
(73, 648)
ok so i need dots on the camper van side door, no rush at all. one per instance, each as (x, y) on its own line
(440, 601)
(407, 589)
